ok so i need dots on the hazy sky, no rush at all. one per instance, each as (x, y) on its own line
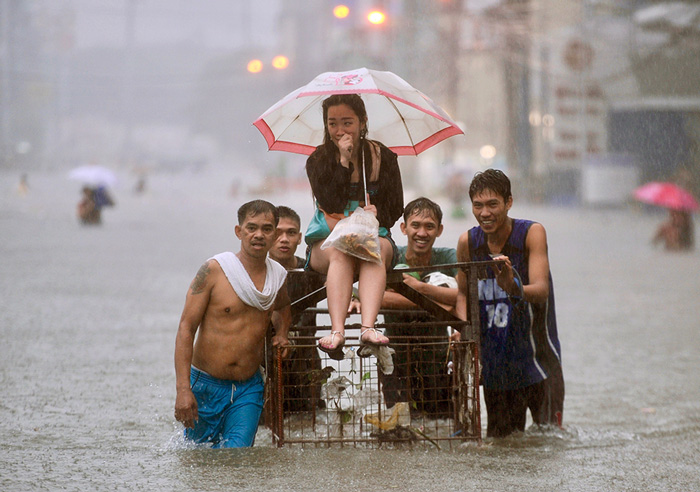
(212, 23)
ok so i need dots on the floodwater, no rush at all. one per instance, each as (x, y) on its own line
(88, 324)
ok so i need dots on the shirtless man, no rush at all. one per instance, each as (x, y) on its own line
(231, 301)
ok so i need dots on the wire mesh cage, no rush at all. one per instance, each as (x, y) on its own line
(419, 390)
(422, 388)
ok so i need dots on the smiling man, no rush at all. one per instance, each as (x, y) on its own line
(422, 225)
(520, 350)
(229, 306)
(424, 373)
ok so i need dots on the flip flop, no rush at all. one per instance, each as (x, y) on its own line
(335, 353)
(365, 329)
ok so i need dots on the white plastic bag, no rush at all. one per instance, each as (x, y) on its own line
(357, 235)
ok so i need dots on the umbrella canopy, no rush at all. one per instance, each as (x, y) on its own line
(401, 117)
(668, 195)
(93, 175)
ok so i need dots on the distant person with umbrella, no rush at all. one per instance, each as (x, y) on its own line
(95, 193)
(91, 203)
(337, 170)
(23, 186)
(676, 232)
(88, 211)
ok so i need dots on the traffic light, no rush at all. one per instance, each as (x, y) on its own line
(255, 66)
(341, 11)
(376, 17)
(280, 62)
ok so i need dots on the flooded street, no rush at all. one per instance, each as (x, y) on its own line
(88, 325)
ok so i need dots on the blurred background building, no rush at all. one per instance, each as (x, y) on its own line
(579, 100)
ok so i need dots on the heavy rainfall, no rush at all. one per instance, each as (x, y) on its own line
(580, 102)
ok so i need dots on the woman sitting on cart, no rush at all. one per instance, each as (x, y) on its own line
(337, 171)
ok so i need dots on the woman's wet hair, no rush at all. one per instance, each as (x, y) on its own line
(423, 205)
(491, 179)
(255, 207)
(354, 101)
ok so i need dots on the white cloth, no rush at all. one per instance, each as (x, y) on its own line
(384, 355)
(243, 285)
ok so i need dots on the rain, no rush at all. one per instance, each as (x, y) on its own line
(581, 102)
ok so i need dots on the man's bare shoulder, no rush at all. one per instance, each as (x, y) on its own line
(463, 247)
(536, 241)
(537, 233)
(206, 277)
(463, 238)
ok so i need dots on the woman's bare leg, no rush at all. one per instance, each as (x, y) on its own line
(340, 270)
(371, 290)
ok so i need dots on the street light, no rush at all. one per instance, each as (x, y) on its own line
(376, 17)
(255, 66)
(341, 11)
(280, 62)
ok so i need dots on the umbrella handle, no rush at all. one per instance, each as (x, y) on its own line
(362, 175)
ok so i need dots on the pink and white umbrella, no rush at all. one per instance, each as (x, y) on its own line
(668, 195)
(401, 117)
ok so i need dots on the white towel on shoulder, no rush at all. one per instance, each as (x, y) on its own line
(243, 284)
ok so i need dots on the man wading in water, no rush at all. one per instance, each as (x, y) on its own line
(231, 301)
(520, 350)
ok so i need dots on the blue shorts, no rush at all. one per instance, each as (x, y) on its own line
(229, 410)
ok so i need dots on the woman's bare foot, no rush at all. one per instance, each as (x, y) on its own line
(333, 345)
(369, 335)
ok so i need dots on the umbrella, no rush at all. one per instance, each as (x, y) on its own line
(401, 117)
(93, 175)
(667, 195)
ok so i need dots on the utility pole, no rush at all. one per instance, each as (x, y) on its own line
(517, 53)
(5, 80)
(128, 80)
(454, 35)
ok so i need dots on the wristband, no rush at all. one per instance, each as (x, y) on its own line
(519, 292)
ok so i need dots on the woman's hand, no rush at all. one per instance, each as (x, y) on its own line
(371, 208)
(345, 146)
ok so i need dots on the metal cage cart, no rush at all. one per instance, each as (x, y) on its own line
(422, 389)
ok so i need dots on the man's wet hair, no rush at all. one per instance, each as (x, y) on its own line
(491, 179)
(354, 101)
(255, 207)
(287, 213)
(423, 205)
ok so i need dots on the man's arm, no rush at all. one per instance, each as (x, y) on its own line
(537, 290)
(394, 300)
(282, 319)
(462, 288)
(447, 296)
(196, 304)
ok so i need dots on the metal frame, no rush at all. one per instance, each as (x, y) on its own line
(340, 426)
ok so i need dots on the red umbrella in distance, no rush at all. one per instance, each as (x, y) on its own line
(667, 195)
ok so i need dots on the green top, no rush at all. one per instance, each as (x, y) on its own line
(439, 256)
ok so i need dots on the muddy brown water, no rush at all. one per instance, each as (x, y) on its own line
(88, 324)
